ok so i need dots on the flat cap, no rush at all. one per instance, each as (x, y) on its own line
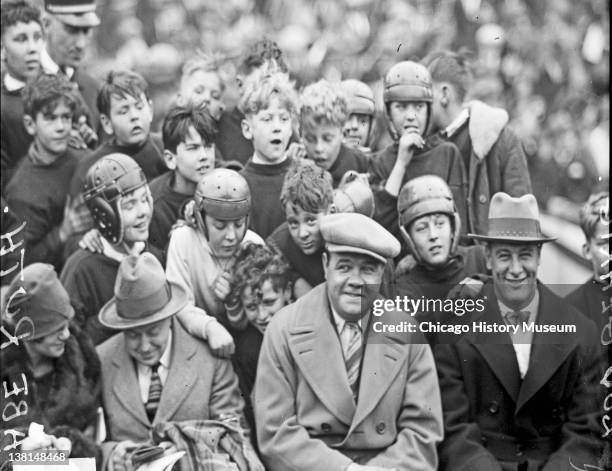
(356, 233)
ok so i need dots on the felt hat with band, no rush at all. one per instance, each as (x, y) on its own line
(513, 220)
(79, 13)
(142, 295)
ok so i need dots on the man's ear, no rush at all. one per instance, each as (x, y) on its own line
(46, 22)
(445, 95)
(488, 257)
(246, 129)
(170, 160)
(586, 251)
(106, 124)
(29, 124)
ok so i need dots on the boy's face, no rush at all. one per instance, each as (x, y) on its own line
(193, 158)
(432, 236)
(130, 119)
(51, 129)
(323, 144)
(597, 250)
(204, 88)
(65, 43)
(224, 237)
(260, 309)
(270, 131)
(357, 129)
(21, 46)
(304, 228)
(408, 116)
(136, 210)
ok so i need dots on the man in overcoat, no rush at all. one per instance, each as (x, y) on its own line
(519, 400)
(333, 392)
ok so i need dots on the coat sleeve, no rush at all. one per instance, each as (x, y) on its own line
(515, 174)
(461, 449)
(225, 399)
(458, 183)
(284, 444)
(420, 419)
(582, 444)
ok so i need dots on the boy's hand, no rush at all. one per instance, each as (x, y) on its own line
(219, 340)
(76, 220)
(92, 241)
(222, 286)
(407, 143)
(296, 151)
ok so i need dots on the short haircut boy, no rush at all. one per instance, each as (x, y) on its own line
(121, 83)
(308, 187)
(322, 103)
(594, 211)
(19, 11)
(256, 264)
(43, 94)
(264, 50)
(201, 63)
(451, 67)
(180, 119)
(268, 83)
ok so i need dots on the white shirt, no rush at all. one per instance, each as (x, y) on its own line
(457, 123)
(521, 341)
(51, 67)
(12, 84)
(342, 332)
(144, 372)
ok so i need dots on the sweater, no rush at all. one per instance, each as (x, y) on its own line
(348, 159)
(443, 160)
(266, 182)
(167, 206)
(37, 194)
(89, 279)
(309, 267)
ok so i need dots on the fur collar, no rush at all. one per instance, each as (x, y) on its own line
(485, 126)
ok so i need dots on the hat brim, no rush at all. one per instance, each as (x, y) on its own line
(516, 240)
(109, 317)
(334, 248)
(81, 20)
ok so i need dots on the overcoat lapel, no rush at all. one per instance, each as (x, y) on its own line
(182, 375)
(315, 346)
(126, 388)
(496, 348)
(546, 356)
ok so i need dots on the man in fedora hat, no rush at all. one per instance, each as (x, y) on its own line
(68, 26)
(516, 398)
(325, 398)
(154, 371)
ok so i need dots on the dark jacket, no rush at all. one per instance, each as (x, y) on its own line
(493, 420)
(64, 401)
(494, 159)
(14, 139)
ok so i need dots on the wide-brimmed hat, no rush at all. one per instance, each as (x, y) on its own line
(36, 302)
(513, 220)
(79, 13)
(143, 295)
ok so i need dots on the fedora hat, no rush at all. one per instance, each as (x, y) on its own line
(143, 295)
(513, 220)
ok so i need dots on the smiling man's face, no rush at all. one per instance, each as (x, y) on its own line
(514, 268)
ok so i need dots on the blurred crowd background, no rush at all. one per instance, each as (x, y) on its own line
(547, 62)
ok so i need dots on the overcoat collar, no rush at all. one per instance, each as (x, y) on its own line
(178, 384)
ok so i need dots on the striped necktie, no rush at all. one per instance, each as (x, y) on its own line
(516, 317)
(155, 390)
(352, 346)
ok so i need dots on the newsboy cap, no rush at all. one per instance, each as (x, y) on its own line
(356, 233)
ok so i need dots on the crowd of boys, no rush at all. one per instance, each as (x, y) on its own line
(223, 269)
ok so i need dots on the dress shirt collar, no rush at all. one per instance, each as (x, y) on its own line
(12, 84)
(51, 67)
(457, 123)
(531, 308)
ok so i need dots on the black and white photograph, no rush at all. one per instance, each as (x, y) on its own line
(305, 235)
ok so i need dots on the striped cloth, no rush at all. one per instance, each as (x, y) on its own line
(352, 347)
(155, 390)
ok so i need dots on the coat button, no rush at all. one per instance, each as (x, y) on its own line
(326, 427)
(482, 199)
(381, 427)
(493, 407)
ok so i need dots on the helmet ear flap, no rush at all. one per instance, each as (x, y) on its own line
(411, 247)
(457, 231)
(107, 219)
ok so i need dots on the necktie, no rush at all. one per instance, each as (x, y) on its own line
(516, 317)
(352, 346)
(155, 390)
